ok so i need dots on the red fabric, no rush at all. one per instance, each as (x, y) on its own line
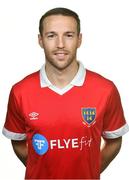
(74, 147)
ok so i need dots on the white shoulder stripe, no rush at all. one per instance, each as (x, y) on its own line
(117, 133)
(12, 135)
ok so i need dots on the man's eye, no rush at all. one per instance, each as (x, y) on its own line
(69, 35)
(51, 36)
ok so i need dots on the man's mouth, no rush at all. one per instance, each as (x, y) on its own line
(61, 54)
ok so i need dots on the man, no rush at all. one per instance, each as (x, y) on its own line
(57, 116)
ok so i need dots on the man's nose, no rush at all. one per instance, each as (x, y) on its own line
(60, 42)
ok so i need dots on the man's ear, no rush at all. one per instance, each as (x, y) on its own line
(40, 40)
(79, 40)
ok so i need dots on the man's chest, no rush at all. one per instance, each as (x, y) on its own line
(50, 111)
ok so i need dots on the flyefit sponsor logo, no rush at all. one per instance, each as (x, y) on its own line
(41, 144)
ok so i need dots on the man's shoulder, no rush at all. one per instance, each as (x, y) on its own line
(98, 80)
(27, 83)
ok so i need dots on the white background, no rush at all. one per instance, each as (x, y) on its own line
(105, 49)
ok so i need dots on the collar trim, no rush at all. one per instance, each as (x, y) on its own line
(78, 80)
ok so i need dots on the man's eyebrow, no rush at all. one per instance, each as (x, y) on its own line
(50, 32)
(68, 32)
(53, 32)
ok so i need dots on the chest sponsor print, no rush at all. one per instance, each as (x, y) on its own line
(41, 144)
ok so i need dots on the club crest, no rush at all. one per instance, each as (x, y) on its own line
(88, 115)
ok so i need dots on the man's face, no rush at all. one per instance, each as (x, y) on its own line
(60, 40)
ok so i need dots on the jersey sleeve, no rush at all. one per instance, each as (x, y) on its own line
(114, 124)
(14, 127)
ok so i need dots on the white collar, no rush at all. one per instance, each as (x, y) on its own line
(78, 80)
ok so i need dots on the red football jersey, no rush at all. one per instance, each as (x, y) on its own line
(64, 132)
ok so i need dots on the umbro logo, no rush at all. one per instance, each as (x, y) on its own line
(33, 116)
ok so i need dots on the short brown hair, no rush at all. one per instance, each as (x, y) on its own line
(59, 11)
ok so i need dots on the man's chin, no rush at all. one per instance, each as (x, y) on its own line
(61, 65)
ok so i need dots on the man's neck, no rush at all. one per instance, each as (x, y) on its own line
(61, 78)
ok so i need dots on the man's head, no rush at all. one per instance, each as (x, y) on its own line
(59, 11)
(60, 37)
